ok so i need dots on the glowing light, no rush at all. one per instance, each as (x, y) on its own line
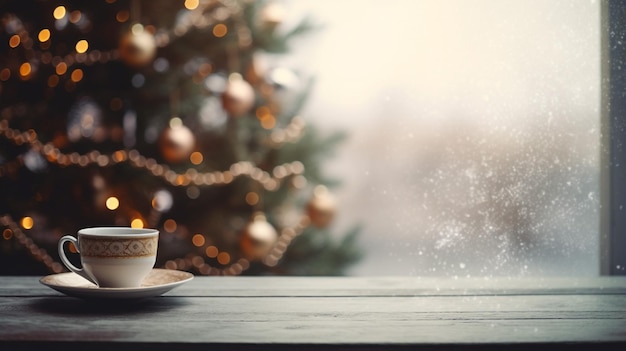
(191, 4)
(59, 12)
(198, 240)
(25, 69)
(61, 68)
(122, 16)
(112, 203)
(119, 156)
(27, 222)
(77, 75)
(220, 30)
(72, 248)
(170, 225)
(268, 122)
(136, 223)
(176, 122)
(14, 41)
(252, 198)
(262, 112)
(211, 251)
(137, 28)
(82, 46)
(223, 258)
(196, 158)
(44, 35)
(7, 234)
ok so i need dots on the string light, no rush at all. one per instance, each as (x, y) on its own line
(14, 232)
(220, 30)
(112, 203)
(190, 176)
(198, 240)
(59, 12)
(25, 69)
(170, 225)
(14, 41)
(82, 46)
(44, 35)
(27, 222)
(191, 4)
(137, 223)
(196, 158)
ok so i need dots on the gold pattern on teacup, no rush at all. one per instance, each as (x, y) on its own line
(92, 247)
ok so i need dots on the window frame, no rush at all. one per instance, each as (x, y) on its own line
(613, 158)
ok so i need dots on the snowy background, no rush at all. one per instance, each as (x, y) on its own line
(474, 131)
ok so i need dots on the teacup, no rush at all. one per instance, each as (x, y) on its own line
(113, 257)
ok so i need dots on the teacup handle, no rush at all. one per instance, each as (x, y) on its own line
(67, 263)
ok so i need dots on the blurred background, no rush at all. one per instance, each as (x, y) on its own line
(445, 138)
(474, 131)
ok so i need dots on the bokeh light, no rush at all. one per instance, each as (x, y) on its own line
(211, 251)
(170, 225)
(191, 4)
(59, 12)
(198, 240)
(252, 198)
(44, 35)
(82, 46)
(220, 30)
(112, 203)
(14, 41)
(27, 222)
(223, 258)
(196, 158)
(137, 223)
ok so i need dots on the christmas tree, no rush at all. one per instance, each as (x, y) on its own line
(169, 115)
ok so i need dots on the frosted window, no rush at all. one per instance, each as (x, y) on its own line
(474, 132)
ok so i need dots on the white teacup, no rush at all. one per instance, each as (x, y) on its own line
(113, 257)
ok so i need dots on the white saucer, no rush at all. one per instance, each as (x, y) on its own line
(158, 282)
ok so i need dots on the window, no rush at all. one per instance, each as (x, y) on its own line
(477, 140)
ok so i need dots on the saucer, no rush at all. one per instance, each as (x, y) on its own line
(158, 281)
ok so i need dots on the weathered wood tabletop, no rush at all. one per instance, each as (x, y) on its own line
(319, 313)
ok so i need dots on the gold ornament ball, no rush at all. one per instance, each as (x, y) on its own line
(177, 143)
(322, 207)
(238, 98)
(137, 48)
(258, 238)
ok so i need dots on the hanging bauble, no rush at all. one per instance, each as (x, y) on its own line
(176, 143)
(271, 16)
(322, 207)
(238, 97)
(137, 47)
(258, 238)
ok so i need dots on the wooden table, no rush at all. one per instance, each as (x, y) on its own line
(324, 313)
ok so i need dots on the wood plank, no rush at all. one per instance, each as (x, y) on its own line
(359, 286)
(329, 313)
(309, 320)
